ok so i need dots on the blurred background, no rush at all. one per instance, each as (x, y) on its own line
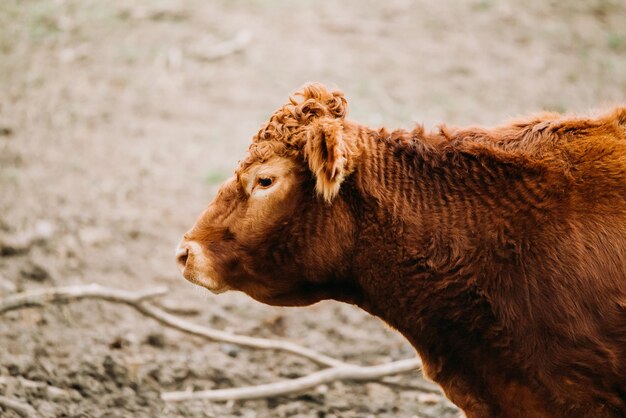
(119, 120)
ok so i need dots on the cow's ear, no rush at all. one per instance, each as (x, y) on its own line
(328, 155)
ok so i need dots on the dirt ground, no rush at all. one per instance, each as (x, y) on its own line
(118, 120)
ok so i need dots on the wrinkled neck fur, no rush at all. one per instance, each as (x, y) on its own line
(445, 191)
(408, 186)
(433, 208)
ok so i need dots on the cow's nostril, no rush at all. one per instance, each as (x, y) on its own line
(181, 258)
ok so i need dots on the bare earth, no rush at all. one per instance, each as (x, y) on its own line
(118, 122)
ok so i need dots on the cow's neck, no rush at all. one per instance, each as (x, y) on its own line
(414, 219)
(428, 218)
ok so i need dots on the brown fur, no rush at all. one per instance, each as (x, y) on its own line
(499, 253)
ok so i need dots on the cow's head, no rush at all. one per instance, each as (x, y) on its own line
(279, 230)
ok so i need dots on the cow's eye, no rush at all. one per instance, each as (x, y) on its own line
(264, 181)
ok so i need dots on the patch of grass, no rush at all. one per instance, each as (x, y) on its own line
(572, 77)
(616, 41)
(216, 177)
(41, 19)
(460, 70)
(9, 175)
(44, 25)
(482, 5)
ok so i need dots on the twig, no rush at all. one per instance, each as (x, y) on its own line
(52, 391)
(346, 372)
(242, 340)
(137, 301)
(20, 407)
(65, 294)
(338, 370)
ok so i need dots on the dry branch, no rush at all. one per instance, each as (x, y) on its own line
(286, 387)
(20, 407)
(242, 340)
(338, 370)
(137, 301)
(42, 297)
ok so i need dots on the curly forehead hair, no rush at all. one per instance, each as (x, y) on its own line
(286, 131)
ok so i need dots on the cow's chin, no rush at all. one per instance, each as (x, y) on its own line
(217, 290)
(292, 298)
(214, 286)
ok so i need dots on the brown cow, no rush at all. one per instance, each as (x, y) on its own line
(499, 253)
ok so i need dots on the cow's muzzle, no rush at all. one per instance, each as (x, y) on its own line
(196, 267)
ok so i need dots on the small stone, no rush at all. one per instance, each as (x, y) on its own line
(14, 244)
(323, 389)
(34, 271)
(380, 396)
(118, 343)
(93, 235)
(230, 349)
(43, 230)
(7, 286)
(156, 340)
(6, 131)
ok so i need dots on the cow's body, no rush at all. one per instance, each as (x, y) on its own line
(503, 261)
(500, 254)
